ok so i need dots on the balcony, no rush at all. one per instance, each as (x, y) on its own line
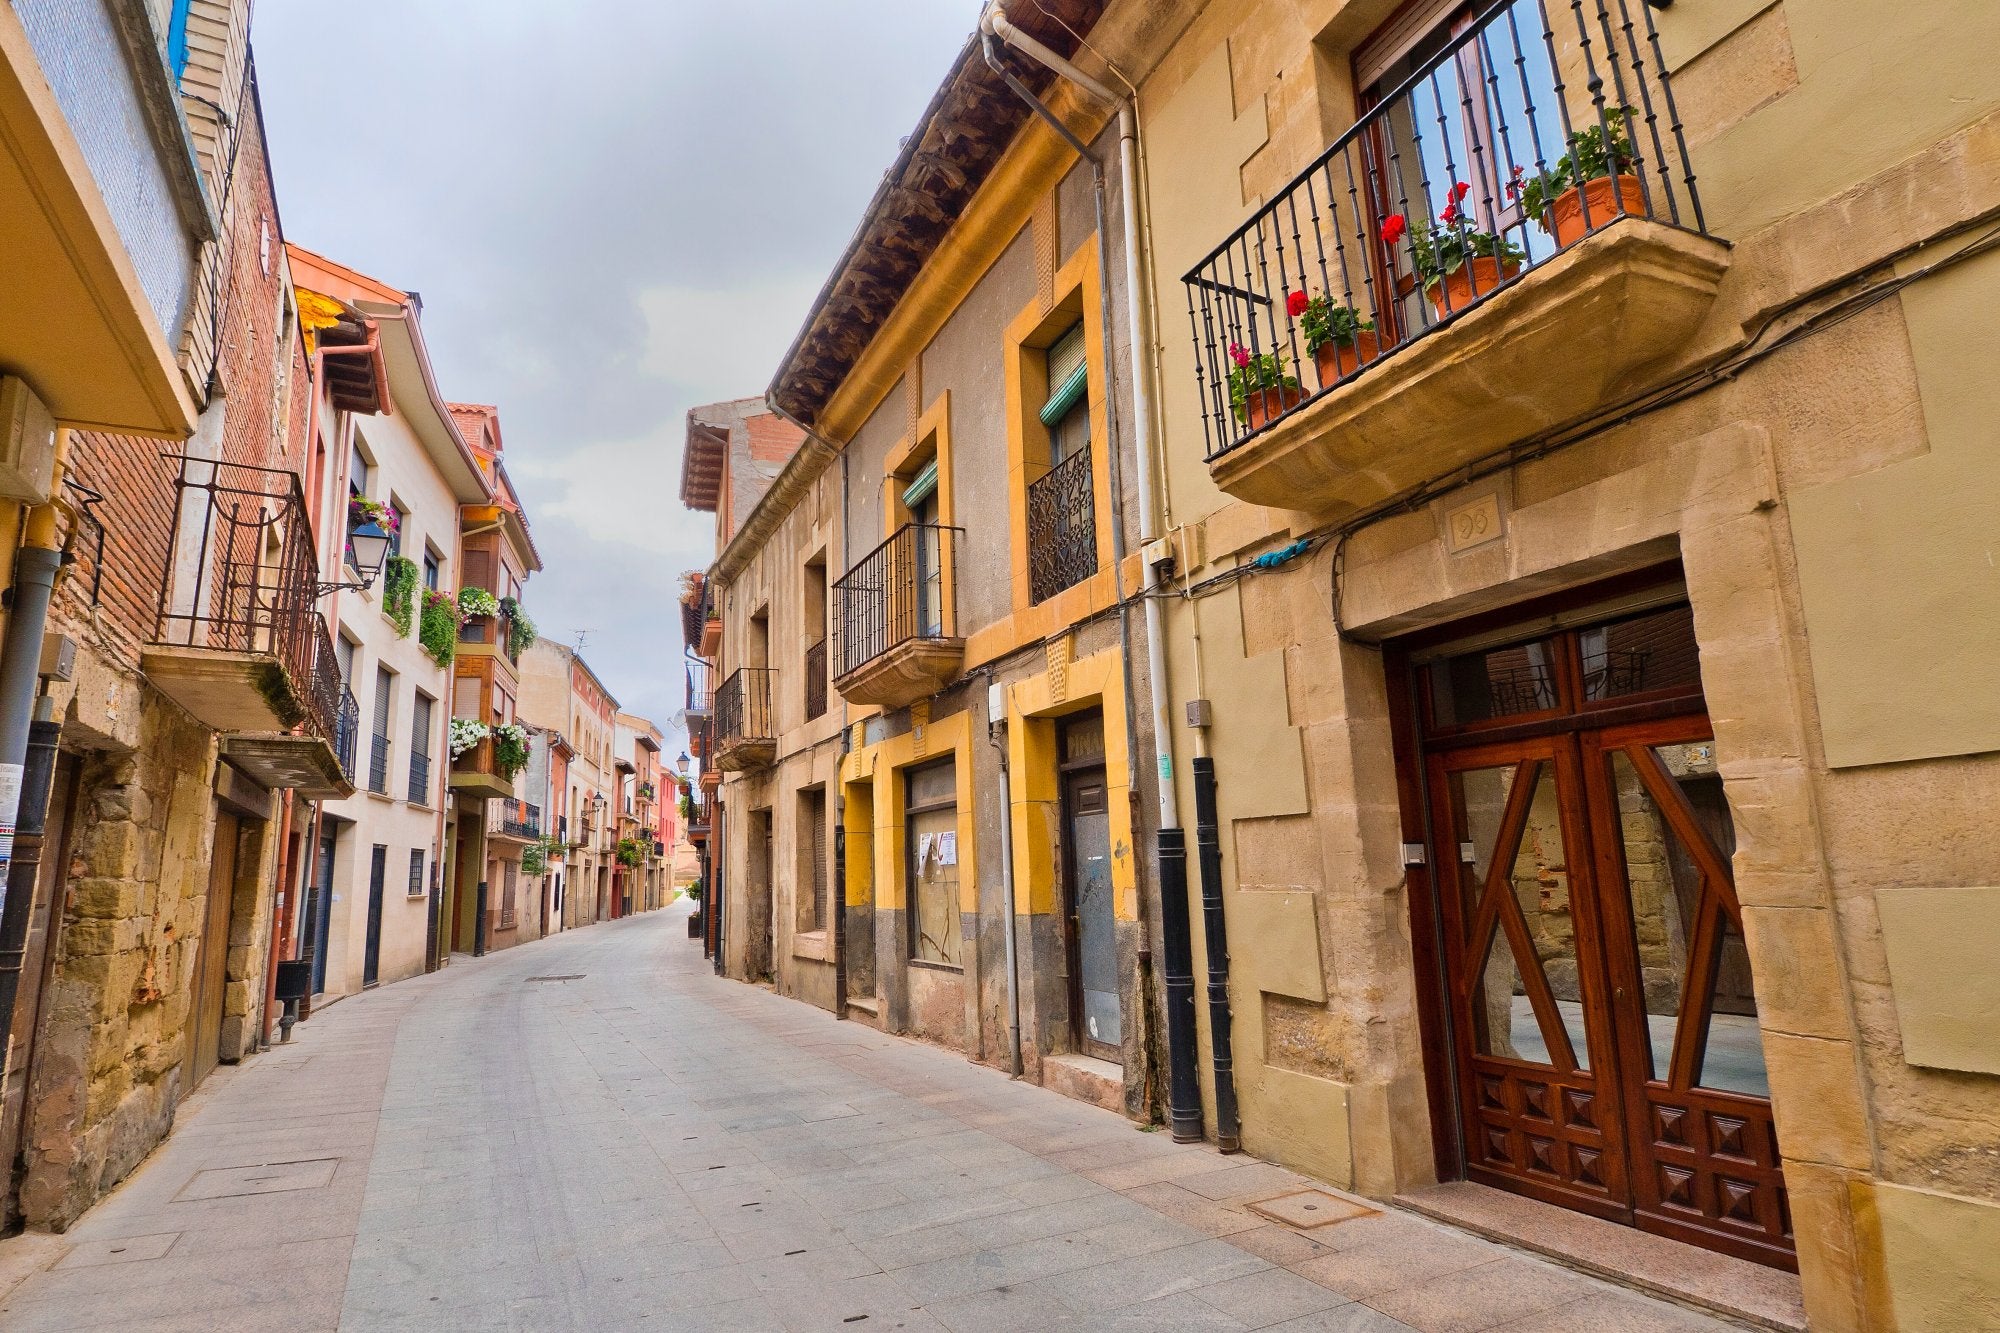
(1062, 527)
(519, 821)
(476, 774)
(1567, 264)
(238, 642)
(895, 623)
(420, 779)
(699, 815)
(742, 721)
(378, 765)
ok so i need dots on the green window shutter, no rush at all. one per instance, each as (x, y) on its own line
(1067, 395)
(921, 489)
(1069, 376)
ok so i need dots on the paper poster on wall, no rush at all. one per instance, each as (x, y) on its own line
(947, 849)
(926, 844)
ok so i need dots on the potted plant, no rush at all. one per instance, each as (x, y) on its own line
(437, 633)
(399, 593)
(1341, 342)
(520, 629)
(510, 749)
(1259, 388)
(478, 602)
(1598, 170)
(1455, 261)
(466, 733)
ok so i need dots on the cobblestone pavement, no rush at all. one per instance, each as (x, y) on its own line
(593, 1132)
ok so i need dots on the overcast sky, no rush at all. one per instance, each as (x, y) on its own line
(614, 210)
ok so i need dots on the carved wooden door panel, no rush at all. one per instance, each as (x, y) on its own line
(1704, 1156)
(1534, 1045)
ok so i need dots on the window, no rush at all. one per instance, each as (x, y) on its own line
(416, 889)
(396, 531)
(931, 807)
(420, 749)
(1062, 501)
(357, 473)
(810, 908)
(432, 564)
(378, 761)
(815, 636)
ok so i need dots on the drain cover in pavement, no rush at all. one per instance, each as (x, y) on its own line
(229, 1182)
(573, 976)
(119, 1250)
(1310, 1208)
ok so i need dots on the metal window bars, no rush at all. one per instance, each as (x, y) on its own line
(900, 591)
(1062, 527)
(815, 668)
(378, 766)
(1459, 179)
(420, 779)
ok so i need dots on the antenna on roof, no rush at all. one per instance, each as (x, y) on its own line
(581, 635)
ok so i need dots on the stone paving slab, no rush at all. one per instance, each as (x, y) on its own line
(646, 1146)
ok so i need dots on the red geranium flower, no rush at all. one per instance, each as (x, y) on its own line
(1239, 354)
(1393, 228)
(1450, 214)
(1459, 191)
(1296, 303)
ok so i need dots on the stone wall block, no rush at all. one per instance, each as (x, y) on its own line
(1816, 1096)
(1823, 1229)
(1798, 971)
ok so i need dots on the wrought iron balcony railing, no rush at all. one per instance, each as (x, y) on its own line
(899, 592)
(346, 727)
(378, 766)
(1535, 125)
(743, 707)
(420, 779)
(815, 668)
(520, 819)
(1062, 527)
(240, 576)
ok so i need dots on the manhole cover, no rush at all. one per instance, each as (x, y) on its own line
(229, 1182)
(119, 1250)
(573, 976)
(1311, 1208)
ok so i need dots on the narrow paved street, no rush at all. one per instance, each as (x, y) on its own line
(593, 1132)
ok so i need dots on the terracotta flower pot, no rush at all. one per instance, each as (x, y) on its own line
(1455, 291)
(1609, 196)
(1265, 404)
(1337, 361)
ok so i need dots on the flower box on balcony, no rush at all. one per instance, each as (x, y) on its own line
(1561, 340)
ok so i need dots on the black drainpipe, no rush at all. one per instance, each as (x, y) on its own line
(1177, 969)
(37, 775)
(837, 891)
(719, 839)
(1208, 846)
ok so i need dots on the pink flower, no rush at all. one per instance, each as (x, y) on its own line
(1514, 184)
(1239, 354)
(1393, 228)
(1297, 303)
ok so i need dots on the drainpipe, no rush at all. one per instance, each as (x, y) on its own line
(995, 734)
(35, 566)
(1215, 934)
(1176, 933)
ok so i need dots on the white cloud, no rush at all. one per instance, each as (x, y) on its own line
(702, 337)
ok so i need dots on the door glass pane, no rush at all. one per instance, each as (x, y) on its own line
(1097, 943)
(934, 886)
(1493, 683)
(1504, 1021)
(1655, 651)
(1669, 900)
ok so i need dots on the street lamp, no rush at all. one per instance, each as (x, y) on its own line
(368, 545)
(682, 763)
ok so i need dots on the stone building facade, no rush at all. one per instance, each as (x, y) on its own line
(1553, 664)
(150, 928)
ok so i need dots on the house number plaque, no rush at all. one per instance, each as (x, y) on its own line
(1473, 523)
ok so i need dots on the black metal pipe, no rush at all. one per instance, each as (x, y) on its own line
(479, 921)
(716, 889)
(1215, 932)
(837, 909)
(37, 777)
(1177, 965)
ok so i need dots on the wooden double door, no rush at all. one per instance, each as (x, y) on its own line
(1597, 997)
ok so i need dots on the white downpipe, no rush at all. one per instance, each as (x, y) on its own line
(1139, 332)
